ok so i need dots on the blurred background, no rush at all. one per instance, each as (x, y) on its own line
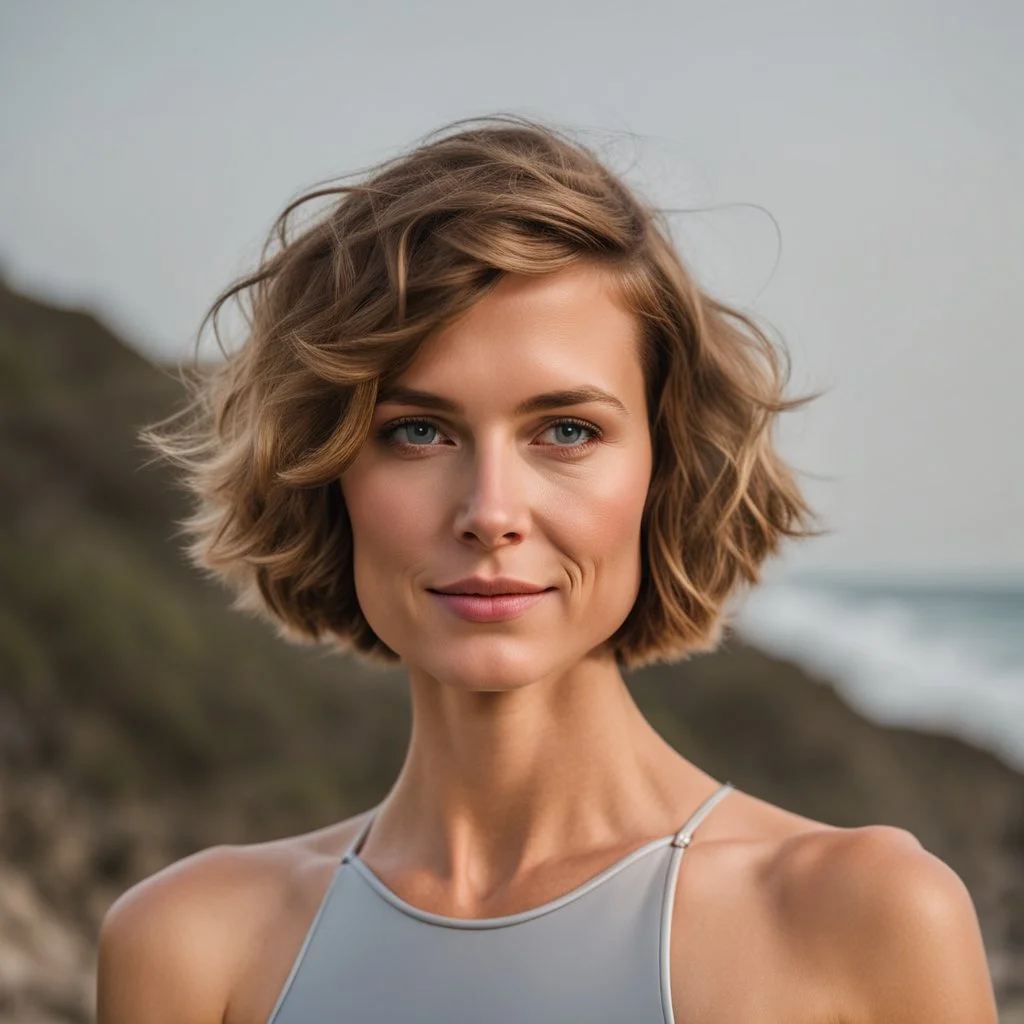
(850, 174)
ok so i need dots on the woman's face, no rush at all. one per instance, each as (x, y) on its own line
(474, 482)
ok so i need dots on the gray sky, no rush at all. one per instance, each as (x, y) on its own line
(147, 149)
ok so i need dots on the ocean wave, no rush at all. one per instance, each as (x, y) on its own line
(941, 659)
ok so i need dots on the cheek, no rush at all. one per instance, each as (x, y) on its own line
(599, 526)
(392, 531)
(391, 518)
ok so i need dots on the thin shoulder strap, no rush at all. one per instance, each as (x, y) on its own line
(680, 843)
(312, 930)
(357, 843)
(685, 834)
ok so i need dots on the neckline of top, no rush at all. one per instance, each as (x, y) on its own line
(680, 840)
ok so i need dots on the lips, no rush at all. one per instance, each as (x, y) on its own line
(492, 607)
(492, 587)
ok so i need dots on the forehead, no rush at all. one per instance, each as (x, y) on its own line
(561, 329)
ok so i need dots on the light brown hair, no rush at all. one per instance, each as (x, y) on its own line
(339, 310)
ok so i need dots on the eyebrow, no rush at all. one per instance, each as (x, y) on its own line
(538, 403)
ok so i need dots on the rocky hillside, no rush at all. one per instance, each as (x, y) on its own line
(140, 719)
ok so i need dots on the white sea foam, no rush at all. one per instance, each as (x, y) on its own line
(942, 658)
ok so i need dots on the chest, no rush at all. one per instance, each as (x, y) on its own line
(359, 955)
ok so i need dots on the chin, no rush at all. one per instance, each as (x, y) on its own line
(488, 664)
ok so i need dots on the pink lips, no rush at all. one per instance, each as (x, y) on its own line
(493, 608)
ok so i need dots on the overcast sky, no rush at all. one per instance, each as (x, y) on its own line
(147, 149)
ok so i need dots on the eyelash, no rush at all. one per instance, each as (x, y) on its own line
(385, 432)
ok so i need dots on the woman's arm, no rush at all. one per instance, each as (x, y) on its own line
(166, 948)
(904, 933)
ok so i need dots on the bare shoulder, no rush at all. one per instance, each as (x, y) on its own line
(734, 896)
(844, 925)
(890, 924)
(203, 918)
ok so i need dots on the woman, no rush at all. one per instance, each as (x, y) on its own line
(486, 424)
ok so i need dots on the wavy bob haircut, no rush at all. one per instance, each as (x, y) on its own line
(340, 309)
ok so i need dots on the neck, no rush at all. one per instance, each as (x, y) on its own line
(497, 782)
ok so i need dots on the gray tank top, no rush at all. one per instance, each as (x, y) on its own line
(597, 953)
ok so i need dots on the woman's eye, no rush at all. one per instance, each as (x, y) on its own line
(569, 430)
(417, 432)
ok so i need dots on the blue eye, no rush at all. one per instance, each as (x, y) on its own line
(572, 425)
(415, 429)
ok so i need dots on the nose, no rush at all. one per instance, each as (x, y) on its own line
(492, 505)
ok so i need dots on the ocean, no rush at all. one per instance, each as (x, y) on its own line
(943, 656)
